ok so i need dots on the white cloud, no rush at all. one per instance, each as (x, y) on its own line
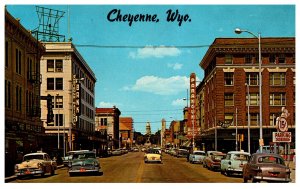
(179, 102)
(175, 66)
(107, 104)
(160, 86)
(157, 52)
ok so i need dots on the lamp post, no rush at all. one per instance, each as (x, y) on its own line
(239, 31)
(58, 123)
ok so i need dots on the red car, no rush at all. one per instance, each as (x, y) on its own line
(266, 167)
(213, 162)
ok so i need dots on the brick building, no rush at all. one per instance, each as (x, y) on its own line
(107, 121)
(126, 131)
(23, 126)
(228, 65)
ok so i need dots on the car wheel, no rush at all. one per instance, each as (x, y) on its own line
(245, 179)
(43, 174)
(52, 171)
(253, 180)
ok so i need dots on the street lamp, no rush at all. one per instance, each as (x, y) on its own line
(239, 31)
(58, 123)
(248, 108)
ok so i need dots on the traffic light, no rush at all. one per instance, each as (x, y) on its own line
(50, 114)
(242, 137)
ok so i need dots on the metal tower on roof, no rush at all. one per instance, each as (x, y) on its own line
(47, 31)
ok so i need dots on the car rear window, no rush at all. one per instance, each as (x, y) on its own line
(271, 159)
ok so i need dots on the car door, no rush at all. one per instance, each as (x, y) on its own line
(224, 162)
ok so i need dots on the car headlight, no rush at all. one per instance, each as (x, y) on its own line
(39, 165)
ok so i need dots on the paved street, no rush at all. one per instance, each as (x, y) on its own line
(130, 168)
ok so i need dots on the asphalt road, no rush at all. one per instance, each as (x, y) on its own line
(130, 168)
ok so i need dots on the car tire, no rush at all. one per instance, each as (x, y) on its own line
(253, 180)
(245, 179)
(52, 171)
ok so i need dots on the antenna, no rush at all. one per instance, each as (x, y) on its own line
(48, 27)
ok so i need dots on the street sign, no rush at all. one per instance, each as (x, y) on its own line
(282, 136)
(282, 124)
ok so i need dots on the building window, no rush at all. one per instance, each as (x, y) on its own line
(277, 99)
(59, 65)
(281, 59)
(59, 83)
(254, 99)
(228, 98)
(50, 83)
(6, 53)
(228, 59)
(59, 119)
(273, 118)
(254, 119)
(228, 118)
(18, 98)
(228, 78)
(50, 65)
(272, 59)
(8, 94)
(104, 121)
(59, 102)
(252, 78)
(18, 61)
(248, 58)
(277, 79)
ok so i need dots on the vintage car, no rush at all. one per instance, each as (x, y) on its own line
(213, 162)
(84, 162)
(266, 167)
(69, 156)
(182, 153)
(152, 155)
(36, 163)
(197, 156)
(208, 156)
(234, 162)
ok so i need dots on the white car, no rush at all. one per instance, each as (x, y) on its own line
(152, 155)
(197, 157)
(234, 162)
(36, 163)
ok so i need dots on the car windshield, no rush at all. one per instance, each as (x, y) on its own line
(152, 151)
(199, 153)
(240, 157)
(30, 157)
(218, 157)
(271, 159)
(83, 155)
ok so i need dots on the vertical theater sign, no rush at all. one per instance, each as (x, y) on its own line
(191, 130)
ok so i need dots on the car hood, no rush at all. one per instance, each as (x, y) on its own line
(30, 164)
(84, 161)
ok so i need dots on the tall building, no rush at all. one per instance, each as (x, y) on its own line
(230, 64)
(108, 119)
(70, 81)
(23, 126)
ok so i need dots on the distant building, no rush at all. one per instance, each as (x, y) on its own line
(23, 126)
(126, 131)
(108, 119)
(231, 63)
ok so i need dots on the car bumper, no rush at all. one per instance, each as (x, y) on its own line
(29, 172)
(84, 170)
(272, 179)
(237, 171)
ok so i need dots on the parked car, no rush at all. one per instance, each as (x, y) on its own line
(84, 162)
(116, 152)
(208, 155)
(214, 161)
(36, 163)
(197, 156)
(234, 162)
(266, 167)
(182, 153)
(152, 155)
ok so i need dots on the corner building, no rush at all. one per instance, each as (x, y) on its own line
(61, 66)
(228, 65)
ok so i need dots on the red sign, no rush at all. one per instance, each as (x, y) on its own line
(282, 136)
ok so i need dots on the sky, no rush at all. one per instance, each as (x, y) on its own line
(143, 68)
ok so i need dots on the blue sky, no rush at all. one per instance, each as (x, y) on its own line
(143, 81)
